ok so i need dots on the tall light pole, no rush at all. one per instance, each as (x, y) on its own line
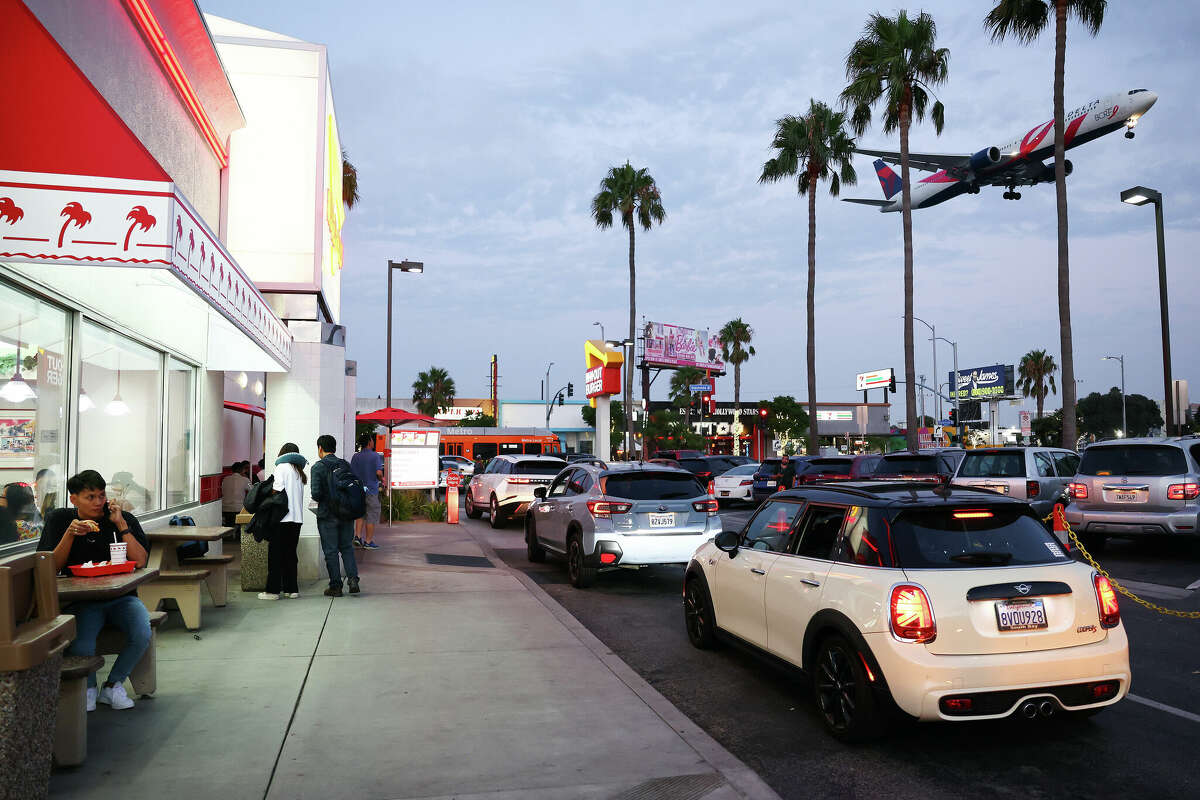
(1124, 423)
(404, 266)
(933, 341)
(601, 324)
(957, 411)
(1140, 196)
(626, 346)
(546, 392)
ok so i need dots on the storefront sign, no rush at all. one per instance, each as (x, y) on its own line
(110, 222)
(846, 415)
(981, 382)
(879, 379)
(674, 346)
(603, 375)
(414, 459)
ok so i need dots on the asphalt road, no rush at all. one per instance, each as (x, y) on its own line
(768, 719)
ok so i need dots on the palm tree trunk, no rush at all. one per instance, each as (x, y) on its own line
(813, 441)
(737, 404)
(629, 366)
(1069, 433)
(910, 365)
(1041, 402)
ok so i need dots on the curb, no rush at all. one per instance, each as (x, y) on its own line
(741, 778)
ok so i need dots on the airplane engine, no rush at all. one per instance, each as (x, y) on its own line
(987, 157)
(1048, 170)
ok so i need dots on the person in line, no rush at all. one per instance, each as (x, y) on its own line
(260, 470)
(288, 478)
(233, 492)
(81, 534)
(337, 535)
(368, 467)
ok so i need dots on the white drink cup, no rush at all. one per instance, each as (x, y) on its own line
(116, 553)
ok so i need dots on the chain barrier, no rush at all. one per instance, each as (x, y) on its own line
(1171, 612)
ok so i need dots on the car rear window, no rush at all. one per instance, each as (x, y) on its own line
(693, 464)
(993, 465)
(744, 469)
(652, 486)
(925, 538)
(923, 465)
(770, 466)
(832, 466)
(537, 467)
(1146, 459)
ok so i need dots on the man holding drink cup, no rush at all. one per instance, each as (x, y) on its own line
(96, 530)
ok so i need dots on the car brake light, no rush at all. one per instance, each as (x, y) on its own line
(520, 480)
(1032, 489)
(1183, 491)
(1079, 491)
(604, 509)
(972, 515)
(710, 505)
(746, 483)
(912, 616)
(1106, 599)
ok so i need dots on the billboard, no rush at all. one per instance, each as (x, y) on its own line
(983, 382)
(669, 345)
(877, 379)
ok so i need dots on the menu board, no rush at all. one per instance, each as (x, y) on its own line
(413, 461)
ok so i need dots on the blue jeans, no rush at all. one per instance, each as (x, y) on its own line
(128, 615)
(337, 536)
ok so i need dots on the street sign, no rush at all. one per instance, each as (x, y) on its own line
(879, 379)
(453, 479)
(937, 432)
(1026, 424)
(700, 387)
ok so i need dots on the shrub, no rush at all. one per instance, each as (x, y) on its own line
(403, 505)
(436, 512)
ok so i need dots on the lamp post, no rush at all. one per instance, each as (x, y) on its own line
(626, 346)
(933, 342)
(404, 266)
(601, 324)
(546, 392)
(1124, 423)
(1140, 196)
(957, 410)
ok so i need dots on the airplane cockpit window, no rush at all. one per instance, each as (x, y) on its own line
(1135, 91)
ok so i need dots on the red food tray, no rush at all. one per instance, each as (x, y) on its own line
(107, 569)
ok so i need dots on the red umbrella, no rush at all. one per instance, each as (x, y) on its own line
(393, 416)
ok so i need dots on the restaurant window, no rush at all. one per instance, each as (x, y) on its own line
(181, 434)
(120, 430)
(33, 402)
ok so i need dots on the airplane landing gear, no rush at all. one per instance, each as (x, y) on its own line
(1012, 195)
(1129, 133)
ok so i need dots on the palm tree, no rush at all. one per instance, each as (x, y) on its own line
(633, 194)
(813, 147)
(349, 181)
(433, 391)
(1025, 19)
(735, 339)
(895, 62)
(681, 389)
(1035, 377)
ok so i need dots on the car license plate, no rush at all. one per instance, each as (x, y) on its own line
(662, 520)
(770, 483)
(1125, 497)
(724, 493)
(1020, 615)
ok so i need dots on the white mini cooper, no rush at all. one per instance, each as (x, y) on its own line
(946, 603)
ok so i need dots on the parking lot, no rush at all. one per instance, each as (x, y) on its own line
(768, 719)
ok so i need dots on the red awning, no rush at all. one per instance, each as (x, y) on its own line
(393, 416)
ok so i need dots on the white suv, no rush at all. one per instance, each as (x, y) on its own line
(948, 603)
(505, 488)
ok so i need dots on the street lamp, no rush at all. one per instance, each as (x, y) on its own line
(626, 346)
(1121, 358)
(404, 266)
(957, 411)
(546, 392)
(1140, 196)
(601, 324)
(933, 342)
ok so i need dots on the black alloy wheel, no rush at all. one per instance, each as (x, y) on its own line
(698, 615)
(495, 516)
(847, 703)
(534, 551)
(472, 511)
(579, 574)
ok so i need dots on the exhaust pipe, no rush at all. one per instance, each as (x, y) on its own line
(1029, 709)
(1047, 708)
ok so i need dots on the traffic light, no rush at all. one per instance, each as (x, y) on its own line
(954, 416)
(560, 398)
(762, 412)
(570, 390)
(892, 384)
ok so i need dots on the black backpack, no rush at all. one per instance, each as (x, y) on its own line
(347, 497)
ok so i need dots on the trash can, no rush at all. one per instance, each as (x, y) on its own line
(254, 557)
(33, 636)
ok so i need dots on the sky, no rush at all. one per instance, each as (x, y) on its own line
(481, 131)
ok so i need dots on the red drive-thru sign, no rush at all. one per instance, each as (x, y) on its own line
(602, 380)
(452, 483)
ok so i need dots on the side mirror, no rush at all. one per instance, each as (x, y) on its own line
(727, 542)
(540, 493)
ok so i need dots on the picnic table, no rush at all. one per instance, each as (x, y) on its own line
(181, 582)
(102, 587)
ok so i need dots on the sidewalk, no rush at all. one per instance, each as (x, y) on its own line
(459, 680)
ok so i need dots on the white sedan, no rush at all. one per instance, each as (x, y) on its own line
(736, 484)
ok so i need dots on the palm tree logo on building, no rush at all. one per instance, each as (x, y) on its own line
(141, 219)
(212, 269)
(10, 210)
(191, 245)
(74, 214)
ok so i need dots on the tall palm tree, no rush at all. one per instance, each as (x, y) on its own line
(349, 181)
(736, 349)
(1035, 377)
(433, 391)
(681, 389)
(896, 63)
(1025, 19)
(812, 147)
(633, 194)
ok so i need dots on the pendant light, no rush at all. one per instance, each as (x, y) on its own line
(17, 390)
(85, 402)
(117, 407)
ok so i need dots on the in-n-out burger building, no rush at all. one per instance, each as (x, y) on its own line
(122, 303)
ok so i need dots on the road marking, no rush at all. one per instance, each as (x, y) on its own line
(1194, 586)
(1179, 712)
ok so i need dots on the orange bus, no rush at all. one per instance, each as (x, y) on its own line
(481, 444)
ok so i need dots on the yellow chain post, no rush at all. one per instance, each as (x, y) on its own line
(1096, 566)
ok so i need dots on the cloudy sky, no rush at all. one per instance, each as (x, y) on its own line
(482, 130)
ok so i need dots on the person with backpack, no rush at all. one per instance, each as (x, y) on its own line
(287, 486)
(340, 499)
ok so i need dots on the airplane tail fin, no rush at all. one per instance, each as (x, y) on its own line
(889, 181)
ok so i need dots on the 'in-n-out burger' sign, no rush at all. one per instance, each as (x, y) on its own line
(603, 376)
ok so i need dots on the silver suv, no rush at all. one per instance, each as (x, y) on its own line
(505, 488)
(1129, 487)
(623, 515)
(1038, 475)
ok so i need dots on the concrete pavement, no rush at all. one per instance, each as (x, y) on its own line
(456, 680)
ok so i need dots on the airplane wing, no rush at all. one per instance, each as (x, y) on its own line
(929, 162)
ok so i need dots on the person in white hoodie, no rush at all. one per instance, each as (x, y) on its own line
(289, 478)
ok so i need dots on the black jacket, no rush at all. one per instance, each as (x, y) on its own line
(269, 508)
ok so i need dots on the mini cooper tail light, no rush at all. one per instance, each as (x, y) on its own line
(1105, 689)
(1183, 491)
(604, 509)
(1106, 599)
(911, 614)
(710, 505)
(1032, 489)
(961, 705)
(1079, 491)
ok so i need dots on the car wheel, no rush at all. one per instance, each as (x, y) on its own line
(579, 574)
(472, 511)
(847, 704)
(534, 551)
(495, 515)
(698, 615)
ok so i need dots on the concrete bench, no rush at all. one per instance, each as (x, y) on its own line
(70, 729)
(218, 578)
(144, 676)
(180, 585)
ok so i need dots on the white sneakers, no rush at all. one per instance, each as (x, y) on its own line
(267, 596)
(114, 696)
(91, 698)
(292, 595)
